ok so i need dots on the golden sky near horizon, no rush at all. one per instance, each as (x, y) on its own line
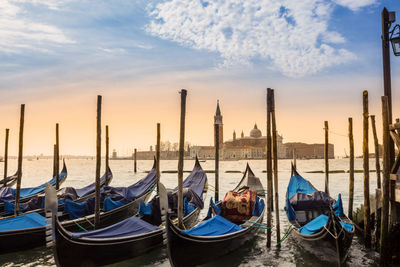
(132, 110)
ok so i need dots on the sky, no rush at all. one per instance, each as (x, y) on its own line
(318, 55)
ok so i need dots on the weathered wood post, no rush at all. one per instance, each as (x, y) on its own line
(6, 157)
(20, 152)
(351, 169)
(180, 159)
(385, 180)
(107, 152)
(376, 143)
(326, 156)
(294, 158)
(57, 158)
(275, 153)
(367, 212)
(135, 161)
(216, 134)
(98, 163)
(378, 181)
(158, 155)
(54, 160)
(269, 169)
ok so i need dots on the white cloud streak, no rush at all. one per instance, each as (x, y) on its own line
(18, 32)
(292, 36)
(355, 5)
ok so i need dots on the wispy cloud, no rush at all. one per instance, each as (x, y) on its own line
(19, 32)
(355, 5)
(291, 36)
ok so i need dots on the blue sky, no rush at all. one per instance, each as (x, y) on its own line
(318, 54)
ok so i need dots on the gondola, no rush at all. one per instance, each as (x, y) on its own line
(36, 203)
(126, 239)
(216, 236)
(28, 230)
(8, 193)
(9, 181)
(319, 224)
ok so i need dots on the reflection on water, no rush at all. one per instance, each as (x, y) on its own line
(255, 253)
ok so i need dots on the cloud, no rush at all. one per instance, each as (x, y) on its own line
(18, 32)
(291, 36)
(355, 5)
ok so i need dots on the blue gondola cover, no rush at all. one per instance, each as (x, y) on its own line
(196, 181)
(110, 204)
(338, 207)
(128, 227)
(24, 221)
(215, 226)
(315, 225)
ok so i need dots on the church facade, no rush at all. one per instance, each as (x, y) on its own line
(243, 147)
(253, 146)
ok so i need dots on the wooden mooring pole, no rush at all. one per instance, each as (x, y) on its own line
(98, 163)
(20, 155)
(367, 212)
(157, 155)
(275, 156)
(107, 152)
(376, 143)
(326, 156)
(351, 169)
(180, 158)
(269, 168)
(385, 181)
(216, 134)
(377, 216)
(6, 158)
(54, 160)
(135, 161)
(57, 158)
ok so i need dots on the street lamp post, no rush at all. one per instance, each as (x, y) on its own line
(387, 19)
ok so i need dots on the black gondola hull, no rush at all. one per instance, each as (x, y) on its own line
(323, 244)
(70, 252)
(11, 241)
(189, 250)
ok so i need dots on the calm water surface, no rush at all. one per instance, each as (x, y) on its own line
(81, 173)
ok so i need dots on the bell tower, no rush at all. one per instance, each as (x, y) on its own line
(218, 121)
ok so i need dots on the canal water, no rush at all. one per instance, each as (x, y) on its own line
(82, 172)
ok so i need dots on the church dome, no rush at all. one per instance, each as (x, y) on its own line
(255, 133)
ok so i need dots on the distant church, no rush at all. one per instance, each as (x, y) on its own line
(245, 147)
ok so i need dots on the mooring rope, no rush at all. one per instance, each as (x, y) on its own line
(80, 226)
(285, 235)
(89, 222)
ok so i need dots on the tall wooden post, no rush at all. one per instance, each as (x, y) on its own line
(135, 161)
(269, 168)
(157, 155)
(216, 134)
(367, 217)
(180, 160)
(385, 180)
(20, 155)
(107, 152)
(98, 163)
(6, 158)
(275, 153)
(57, 158)
(376, 143)
(387, 81)
(54, 160)
(351, 169)
(326, 156)
(294, 158)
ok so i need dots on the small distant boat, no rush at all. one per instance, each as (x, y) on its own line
(216, 236)
(319, 223)
(10, 180)
(125, 239)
